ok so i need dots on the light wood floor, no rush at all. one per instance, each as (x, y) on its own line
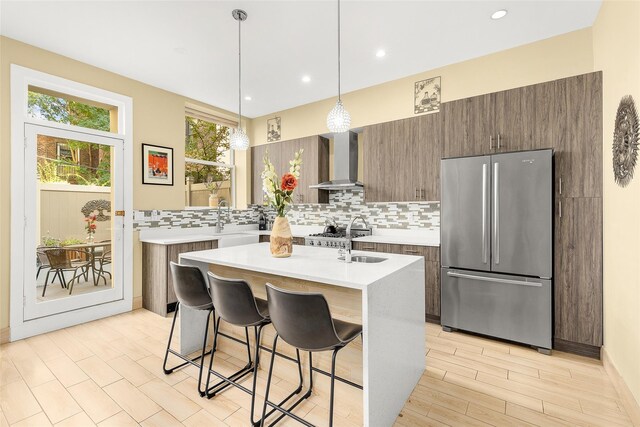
(109, 373)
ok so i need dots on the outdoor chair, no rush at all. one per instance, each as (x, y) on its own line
(62, 260)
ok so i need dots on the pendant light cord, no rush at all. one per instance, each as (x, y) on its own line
(339, 50)
(239, 73)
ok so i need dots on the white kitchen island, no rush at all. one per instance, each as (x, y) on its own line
(387, 297)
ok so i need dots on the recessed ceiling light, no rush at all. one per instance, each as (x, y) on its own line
(499, 14)
(247, 98)
(380, 53)
(306, 79)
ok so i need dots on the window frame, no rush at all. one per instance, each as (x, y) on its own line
(231, 166)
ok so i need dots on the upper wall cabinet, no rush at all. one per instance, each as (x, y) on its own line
(315, 167)
(402, 159)
(493, 123)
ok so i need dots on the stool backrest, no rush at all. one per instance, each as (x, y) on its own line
(190, 286)
(302, 320)
(234, 301)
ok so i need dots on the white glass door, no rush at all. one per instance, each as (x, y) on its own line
(73, 234)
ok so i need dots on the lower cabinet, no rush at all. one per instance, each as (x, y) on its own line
(431, 256)
(157, 284)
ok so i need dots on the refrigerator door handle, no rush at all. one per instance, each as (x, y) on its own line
(496, 212)
(493, 279)
(484, 213)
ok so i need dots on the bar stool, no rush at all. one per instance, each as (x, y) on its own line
(303, 320)
(191, 290)
(235, 303)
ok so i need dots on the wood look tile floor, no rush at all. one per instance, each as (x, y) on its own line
(109, 373)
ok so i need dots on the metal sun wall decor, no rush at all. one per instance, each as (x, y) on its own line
(426, 96)
(625, 141)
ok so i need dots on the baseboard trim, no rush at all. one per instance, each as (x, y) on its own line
(577, 348)
(137, 303)
(5, 333)
(631, 405)
(431, 318)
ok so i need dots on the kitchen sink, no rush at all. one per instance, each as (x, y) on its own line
(365, 259)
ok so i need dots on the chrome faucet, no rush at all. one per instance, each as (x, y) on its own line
(219, 223)
(347, 256)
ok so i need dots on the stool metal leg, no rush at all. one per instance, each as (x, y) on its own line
(225, 382)
(278, 407)
(333, 382)
(187, 360)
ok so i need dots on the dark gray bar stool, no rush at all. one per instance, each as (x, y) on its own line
(303, 320)
(235, 303)
(191, 290)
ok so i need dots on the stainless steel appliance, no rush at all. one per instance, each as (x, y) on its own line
(338, 240)
(497, 246)
(345, 163)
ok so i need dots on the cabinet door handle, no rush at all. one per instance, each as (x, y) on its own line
(423, 194)
(368, 248)
(560, 209)
(490, 142)
(417, 194)
(560, 185)
(499, 139)
(410, 251)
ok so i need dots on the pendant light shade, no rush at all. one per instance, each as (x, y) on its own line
(339, 119)
(239, 139)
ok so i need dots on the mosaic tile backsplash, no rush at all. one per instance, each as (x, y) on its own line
(342, 206)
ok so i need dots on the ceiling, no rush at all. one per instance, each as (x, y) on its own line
(190, 47)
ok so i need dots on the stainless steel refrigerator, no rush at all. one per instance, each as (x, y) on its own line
(497, 246)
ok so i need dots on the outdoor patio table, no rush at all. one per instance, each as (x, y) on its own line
(92, 250)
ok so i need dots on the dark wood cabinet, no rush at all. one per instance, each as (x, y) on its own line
(157, 283)
(468, 126)
(513, 119)
(431, 270)
(402, 159)
(296, 240)
(578, 274)
(315, 167)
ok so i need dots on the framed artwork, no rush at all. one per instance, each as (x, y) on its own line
(157, 165)
(274, 131)
(426, 96)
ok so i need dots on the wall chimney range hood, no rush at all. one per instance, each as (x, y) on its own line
(345, 163)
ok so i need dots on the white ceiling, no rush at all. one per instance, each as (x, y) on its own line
(190, 47)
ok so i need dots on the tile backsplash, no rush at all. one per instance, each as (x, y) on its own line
(343, 205)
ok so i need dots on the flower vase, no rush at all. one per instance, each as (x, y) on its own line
(213, 200)
(90, 238)
(281, 238)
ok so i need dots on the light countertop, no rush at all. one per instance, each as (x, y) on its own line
(308, 263)
(188, 235)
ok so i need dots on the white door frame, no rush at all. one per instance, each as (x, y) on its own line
(21, 79)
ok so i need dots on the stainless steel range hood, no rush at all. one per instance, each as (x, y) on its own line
(345, 163)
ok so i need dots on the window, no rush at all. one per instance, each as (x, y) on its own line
(54, 107)
(208, 162)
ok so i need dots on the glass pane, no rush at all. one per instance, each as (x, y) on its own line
(75, 231)
(215, 188)
(206, 141)
(207, 185)
(55, 108)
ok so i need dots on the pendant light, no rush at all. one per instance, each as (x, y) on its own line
(239, 139)
(338, 120)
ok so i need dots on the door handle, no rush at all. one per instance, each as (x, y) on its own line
(560, 185)
(417, 195)
(484, 213)
(490, 142)
(493, 279)
(496, 212)
(499, 139)
(423, 194)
